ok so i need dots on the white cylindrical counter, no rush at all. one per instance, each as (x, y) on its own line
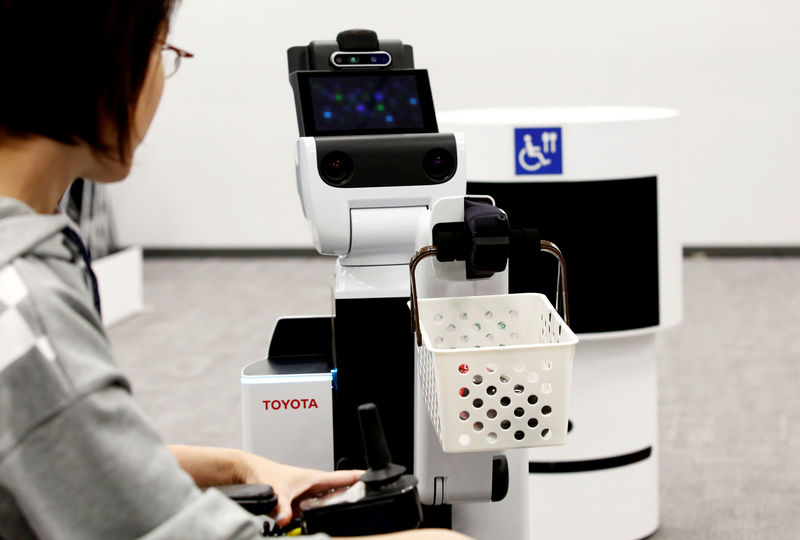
(600, 182)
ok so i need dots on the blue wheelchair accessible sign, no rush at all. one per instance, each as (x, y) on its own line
(538, 150)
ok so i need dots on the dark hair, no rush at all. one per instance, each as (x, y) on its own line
(72, 68)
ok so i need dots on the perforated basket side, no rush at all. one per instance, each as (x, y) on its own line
(495, 371)
(512, 398)
(427, 379)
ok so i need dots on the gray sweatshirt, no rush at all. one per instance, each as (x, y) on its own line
(78, 458)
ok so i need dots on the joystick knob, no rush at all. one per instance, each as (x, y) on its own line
(381, 470)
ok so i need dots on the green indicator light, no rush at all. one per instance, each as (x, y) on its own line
(381, 107)
(338, 97)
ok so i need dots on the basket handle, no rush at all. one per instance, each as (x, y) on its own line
(429, 251)
(561, 280)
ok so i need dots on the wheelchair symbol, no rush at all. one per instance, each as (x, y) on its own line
(534, 152)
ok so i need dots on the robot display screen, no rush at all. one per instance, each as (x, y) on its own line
(367, 103)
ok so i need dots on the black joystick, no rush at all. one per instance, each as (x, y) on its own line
(384, 499)
(381, 471)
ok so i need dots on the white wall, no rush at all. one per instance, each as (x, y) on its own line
(217, 167)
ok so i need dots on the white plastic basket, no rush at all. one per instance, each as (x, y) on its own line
(495, 371)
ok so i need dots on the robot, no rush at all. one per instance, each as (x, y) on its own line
(379, 184)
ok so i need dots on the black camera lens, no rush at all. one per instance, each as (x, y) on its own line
(439, 164)
(336, 167)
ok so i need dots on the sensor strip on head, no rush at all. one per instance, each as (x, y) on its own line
(360, 59)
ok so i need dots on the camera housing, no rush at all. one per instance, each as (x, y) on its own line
(338, 177)
(335, 167)
(360, 59)
(386, 161)
(439, 164)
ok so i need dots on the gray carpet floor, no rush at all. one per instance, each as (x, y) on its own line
(729, 375)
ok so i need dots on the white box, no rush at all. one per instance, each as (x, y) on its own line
(119, 280)
(288, 418)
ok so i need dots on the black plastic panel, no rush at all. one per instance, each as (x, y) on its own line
(387, 160)
(374, 358)
(608, 232)
(301, 345)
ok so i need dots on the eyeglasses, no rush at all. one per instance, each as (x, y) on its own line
(171, 58)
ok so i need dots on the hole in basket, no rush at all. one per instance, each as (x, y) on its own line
(463, 392)
(519, 412)
(514, 337)
(532, 399)
(491, 390)
(477, 379)
(491, 414)
(504, 378)
(438, 341)
(547, 409)
(488, 315)
(505, 424)
(547, 364)
(547, 388)
(518, 388)
(491, 367)
(451, 328)
(533, 422)
(546, 435)
(559, 329)
(463, 415)
(505, 402)
(549, 317)
(491, 437)
(464, 440)
(519, 366)
(476, 327)
(519, 435)
(501, 325)
(512, 314)
(477, 403)
(438, 318)
(464, 339)
(489, 338)
(463, 316)
(533, 377)
(477, 426)
(463, 368)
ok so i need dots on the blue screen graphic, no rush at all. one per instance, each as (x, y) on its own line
(365, 103)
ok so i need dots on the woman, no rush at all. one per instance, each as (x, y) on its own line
(78, 459)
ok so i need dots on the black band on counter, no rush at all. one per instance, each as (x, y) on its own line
(545, 467)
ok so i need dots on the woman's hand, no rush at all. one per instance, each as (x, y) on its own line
(220, 466)
(290, 482)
